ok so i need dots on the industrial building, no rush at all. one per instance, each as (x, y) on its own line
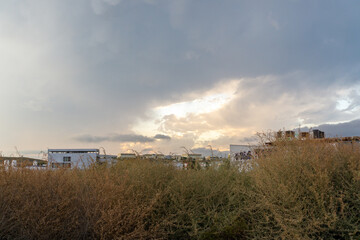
(77, 158)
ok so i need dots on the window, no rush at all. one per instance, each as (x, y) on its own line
(66, 159)
(66, 165)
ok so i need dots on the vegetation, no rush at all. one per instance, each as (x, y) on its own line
(296, 190)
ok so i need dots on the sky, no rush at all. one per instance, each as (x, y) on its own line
(160, 75)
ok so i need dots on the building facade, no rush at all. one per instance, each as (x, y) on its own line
(72, 158)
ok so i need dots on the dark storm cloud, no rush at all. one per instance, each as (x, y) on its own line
(121, 138)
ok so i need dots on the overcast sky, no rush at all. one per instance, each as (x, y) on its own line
(156, 75)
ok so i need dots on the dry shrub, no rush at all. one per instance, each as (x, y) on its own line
(41, 205)
(307, 190)
(298, 190)
(205, 204)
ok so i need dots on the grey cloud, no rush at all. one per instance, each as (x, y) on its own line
(131, 138)
(131, 56)
(121, 138)
(346, 129)
(115, 138)
(251, 139)
(162, 136)
(147, 150)
(91, 139)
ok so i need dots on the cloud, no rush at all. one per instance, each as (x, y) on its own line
(344, 129)
(147, 150)
(162, 136)
(121, 138)
(260, 104)
(108, 64)
(273, 22)
(91, 139)
(99, 6)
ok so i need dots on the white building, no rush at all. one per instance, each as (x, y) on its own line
(242, 156)
(109, 159)
(127, 155)
(73, 158)
(240, 152)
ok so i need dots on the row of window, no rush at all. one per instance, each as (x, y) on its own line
(61, 165)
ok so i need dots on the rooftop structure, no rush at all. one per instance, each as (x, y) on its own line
(78, 150)
(127, 155)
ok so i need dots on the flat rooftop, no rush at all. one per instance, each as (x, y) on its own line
(76, 150)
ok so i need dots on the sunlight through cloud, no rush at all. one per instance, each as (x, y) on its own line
(210, 101)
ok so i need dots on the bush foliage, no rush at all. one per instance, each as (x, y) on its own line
(296, 190)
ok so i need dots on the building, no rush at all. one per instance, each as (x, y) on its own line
(77, 158)
(159, 156)
(212, 158)
(148, 156)
(318, 134)
(290, 134)
(74, 158)
(127, 155)
(313, 134)
(285, 134)
(196, 156)
(109, 159)
(304, 135)
(240, 152)
(21, 161)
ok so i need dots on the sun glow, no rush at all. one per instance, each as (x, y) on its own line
(199, 103)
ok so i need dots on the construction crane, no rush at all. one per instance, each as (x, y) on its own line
(103, 150)
(17, 152)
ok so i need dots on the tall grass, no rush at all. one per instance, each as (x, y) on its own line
(298, 190)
